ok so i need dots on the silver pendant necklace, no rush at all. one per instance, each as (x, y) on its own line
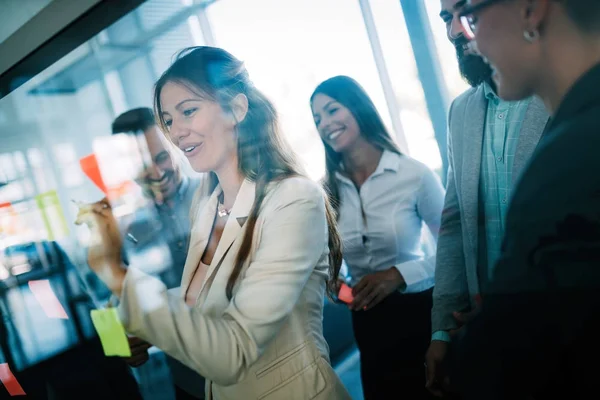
(222, 211)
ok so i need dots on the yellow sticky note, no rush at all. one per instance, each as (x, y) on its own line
(111, 332)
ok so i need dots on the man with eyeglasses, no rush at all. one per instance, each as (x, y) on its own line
(489, 142)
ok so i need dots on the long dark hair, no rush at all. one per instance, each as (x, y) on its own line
(351, 95)
(263, 153)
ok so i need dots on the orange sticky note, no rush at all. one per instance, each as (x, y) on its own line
(10, 382)
(119, 190)
(345, 294)
(89, 165)
(47, 299)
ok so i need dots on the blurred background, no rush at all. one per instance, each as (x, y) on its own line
(59, 95)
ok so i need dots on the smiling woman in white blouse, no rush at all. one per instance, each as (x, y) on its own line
(382, 198)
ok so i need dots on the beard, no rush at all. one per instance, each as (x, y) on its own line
(472, 67)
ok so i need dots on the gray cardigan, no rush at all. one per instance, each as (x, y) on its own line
(456, 275)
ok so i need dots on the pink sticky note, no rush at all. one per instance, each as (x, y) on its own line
(48, 301)
(10, 382)
(345, 294)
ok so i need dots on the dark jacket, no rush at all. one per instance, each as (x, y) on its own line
(534, 337)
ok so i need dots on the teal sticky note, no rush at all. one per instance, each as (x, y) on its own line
(111, 332)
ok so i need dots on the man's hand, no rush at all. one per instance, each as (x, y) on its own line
(437, 379)
(139, 352)
(463, 318)
(373, 288)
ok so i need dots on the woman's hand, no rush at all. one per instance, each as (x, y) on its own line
(338, 284)
(104, 253)
(375, 287)
(139, 352)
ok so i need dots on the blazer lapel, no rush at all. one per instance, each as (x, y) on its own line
(201, 228)
(474, 126)
(533, 126)
(233, 227)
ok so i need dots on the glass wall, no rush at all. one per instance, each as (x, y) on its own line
(65, 113)
(287, 57)
(456, 85)
(46, 127)
(405, 81)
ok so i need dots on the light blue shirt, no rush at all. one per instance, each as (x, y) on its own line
(381, 223)
(500, 138)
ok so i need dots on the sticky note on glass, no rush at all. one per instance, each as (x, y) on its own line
(89, 166)
(345, 294)
(10, 382)
(111, 332)
(47, 299)
(52, 215)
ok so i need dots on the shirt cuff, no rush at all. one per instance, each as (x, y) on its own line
(442, 336)
(414, 281)
(141, 293)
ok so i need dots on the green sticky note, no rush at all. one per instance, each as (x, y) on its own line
(111, 332)
(52, 215)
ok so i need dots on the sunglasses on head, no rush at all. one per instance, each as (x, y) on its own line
(468, 17)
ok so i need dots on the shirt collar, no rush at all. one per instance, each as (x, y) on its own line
(389, 161)
(493, 97)
(489, 93)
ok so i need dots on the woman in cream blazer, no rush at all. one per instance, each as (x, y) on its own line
(248, 315)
